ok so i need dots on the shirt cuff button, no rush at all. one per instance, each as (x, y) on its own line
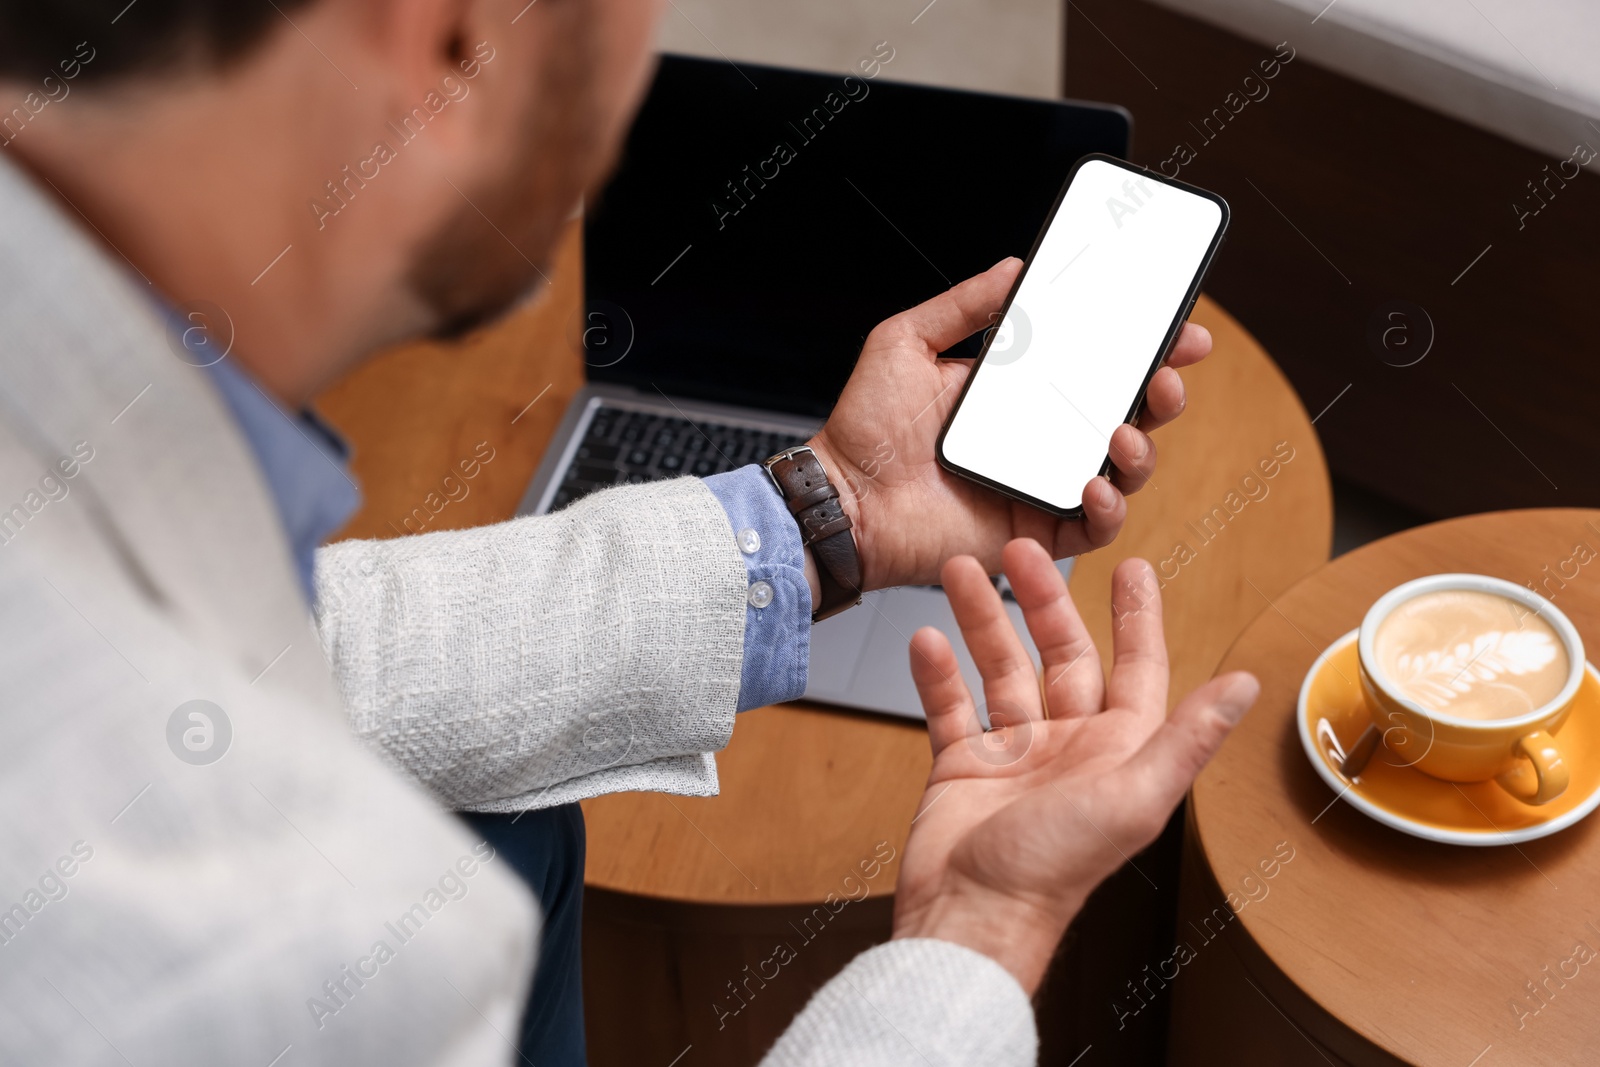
(760, 595)
(749, 541)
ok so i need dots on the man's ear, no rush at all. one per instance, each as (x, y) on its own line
(421, 41)
(427, 56)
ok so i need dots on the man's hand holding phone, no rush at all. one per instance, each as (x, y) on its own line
(910, 515)
(1020, 823)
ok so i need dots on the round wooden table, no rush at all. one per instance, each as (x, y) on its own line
(1370, 946)
(809, 793)
(684, 894)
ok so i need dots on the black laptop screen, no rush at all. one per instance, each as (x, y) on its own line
(762, 221)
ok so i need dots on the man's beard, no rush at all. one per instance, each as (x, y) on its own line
(490, 254)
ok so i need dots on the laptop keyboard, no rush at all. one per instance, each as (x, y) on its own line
(627, 446)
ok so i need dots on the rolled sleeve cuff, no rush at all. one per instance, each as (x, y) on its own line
(777, 616)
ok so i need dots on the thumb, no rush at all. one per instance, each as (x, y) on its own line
(1168, 762)
(958, 312)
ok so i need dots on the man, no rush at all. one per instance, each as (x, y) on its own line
(215, 847)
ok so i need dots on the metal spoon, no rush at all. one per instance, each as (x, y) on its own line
(1361, 752)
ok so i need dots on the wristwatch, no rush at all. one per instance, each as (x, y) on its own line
(824, 527)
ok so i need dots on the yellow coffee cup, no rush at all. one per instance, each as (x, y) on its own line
(1519, 751)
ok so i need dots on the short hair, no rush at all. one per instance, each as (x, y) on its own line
(38, 38)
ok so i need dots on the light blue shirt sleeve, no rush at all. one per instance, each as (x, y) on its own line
(777, 614)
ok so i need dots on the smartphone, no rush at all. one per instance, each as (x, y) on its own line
(1101, 298)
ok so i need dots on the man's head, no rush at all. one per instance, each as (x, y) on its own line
(413, 161)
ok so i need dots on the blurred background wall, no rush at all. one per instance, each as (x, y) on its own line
(1010, 46)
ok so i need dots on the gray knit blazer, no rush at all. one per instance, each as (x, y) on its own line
(306, 898)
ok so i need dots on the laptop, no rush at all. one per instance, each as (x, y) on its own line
(761, 222)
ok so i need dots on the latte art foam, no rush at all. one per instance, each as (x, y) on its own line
(1471, 654)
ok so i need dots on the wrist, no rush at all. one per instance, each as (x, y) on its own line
(850, 502)
(806, 480)
(1020, 937)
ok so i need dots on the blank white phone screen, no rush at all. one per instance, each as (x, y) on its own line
(1070, 355)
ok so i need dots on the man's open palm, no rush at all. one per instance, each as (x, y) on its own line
(1019, 823)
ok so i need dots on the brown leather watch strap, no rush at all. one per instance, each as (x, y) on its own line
(824, 527)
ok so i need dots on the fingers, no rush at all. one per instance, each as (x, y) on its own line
(958, 312)
(1164, 400)
(1104, 511)
(1139, 671)
(1010, 683)
(1166, 765)
(1073, 684)
(945, 699)
(1193, 345)
(1133, 455)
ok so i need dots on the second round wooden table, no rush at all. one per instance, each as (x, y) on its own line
(1370, 946)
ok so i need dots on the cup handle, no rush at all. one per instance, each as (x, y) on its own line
(1548, 777)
